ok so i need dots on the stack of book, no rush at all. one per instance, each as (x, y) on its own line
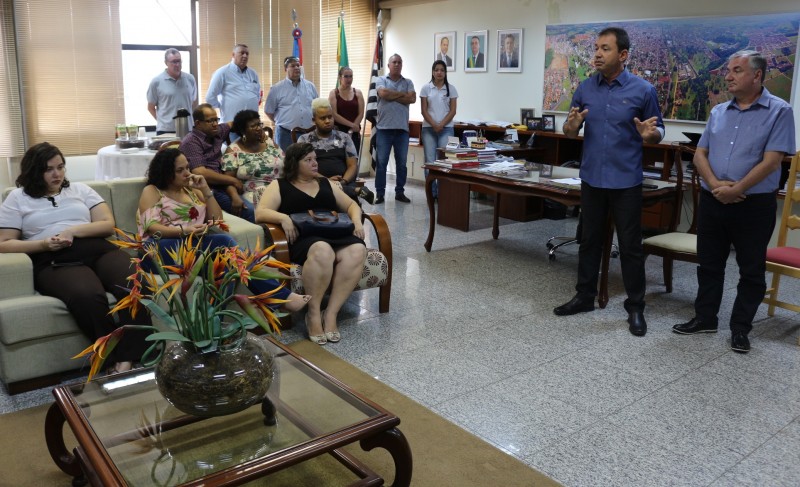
(460, 158)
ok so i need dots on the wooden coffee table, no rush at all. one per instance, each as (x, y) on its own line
(128, 434)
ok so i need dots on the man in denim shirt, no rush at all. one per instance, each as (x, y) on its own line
(620, 112)
(739, 160)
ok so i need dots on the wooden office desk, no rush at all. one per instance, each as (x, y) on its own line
(532, 185)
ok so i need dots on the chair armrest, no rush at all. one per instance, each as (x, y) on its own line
(281, 251)
(383, 235)
(16, 275)
(246, 233)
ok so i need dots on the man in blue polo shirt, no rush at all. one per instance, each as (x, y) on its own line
(619, 112)
(234, 87)
(289, 102)
(739, 160)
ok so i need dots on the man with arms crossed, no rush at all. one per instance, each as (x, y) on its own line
(203, 149)
(234, 87)
(395, 94)
(739, 160)
(289, 102)
(620, 112)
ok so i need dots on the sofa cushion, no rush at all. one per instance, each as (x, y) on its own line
(126, 201)
(34, 317)
(16, 274)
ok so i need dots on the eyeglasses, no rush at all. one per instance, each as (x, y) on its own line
(347, 76)
(177, 61)
(211, 120)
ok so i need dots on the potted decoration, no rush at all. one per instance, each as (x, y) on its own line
(196, 291)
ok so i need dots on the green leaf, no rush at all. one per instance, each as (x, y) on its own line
(167, 335)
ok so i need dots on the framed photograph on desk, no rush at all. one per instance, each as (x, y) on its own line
(475, 44)
(444, 48)
(548, 123)
(525, 114)
(535, 123)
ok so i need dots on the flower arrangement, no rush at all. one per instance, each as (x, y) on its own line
(197, 290)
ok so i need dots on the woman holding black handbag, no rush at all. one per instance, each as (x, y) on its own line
(63, 227)
(334, 262)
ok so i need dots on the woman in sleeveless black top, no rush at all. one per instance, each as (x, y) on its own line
(326, 262)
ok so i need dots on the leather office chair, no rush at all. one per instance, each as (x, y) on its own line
(784, 260)
(565, 240)
(676, 245)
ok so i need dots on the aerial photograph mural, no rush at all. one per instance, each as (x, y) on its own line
(683, 58)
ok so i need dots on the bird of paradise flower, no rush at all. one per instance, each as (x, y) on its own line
(197, 287)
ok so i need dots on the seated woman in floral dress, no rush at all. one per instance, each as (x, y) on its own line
(254, 158)
(176, 203)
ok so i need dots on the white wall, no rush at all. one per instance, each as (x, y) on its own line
(495, 96)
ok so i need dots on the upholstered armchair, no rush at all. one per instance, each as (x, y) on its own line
(377, 267)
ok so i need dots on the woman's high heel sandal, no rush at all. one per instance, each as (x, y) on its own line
(331, 336)
(318, 339)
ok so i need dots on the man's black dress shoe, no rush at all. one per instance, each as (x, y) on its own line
(575, 305)
(740, 343)
(379, 200)
(402, 198)
(695, 325)
(637, 324)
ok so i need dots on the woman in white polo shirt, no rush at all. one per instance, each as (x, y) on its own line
(438, 109)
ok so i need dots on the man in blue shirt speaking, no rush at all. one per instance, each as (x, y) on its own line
(619, 112)
(739, 160)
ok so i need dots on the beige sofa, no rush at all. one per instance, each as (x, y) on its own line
(37, 333)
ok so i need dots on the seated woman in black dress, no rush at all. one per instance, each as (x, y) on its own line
(326, 262)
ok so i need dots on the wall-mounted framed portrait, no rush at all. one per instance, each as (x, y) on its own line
(509, 51)
(444, 48)
(475, 51)
(549, 123)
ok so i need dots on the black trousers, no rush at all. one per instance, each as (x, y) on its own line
(82, 285)
(625, 208)
(747, 226)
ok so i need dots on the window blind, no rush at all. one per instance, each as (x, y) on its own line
(12, 142)
(359, 23)
(70, 70)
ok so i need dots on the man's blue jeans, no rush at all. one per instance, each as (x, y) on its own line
(431, 141)
(283, 137)
(224, 201)
(388, 139)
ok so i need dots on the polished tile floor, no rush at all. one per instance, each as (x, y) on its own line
(471, 335)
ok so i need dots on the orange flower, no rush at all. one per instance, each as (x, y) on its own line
(100, 350)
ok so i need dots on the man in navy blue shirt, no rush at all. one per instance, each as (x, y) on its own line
(739, 160)
(619, 112)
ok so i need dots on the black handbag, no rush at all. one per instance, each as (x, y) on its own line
(322, 223)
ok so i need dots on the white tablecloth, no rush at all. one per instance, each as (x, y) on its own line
(112, 164)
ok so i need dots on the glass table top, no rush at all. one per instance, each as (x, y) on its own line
(152, 443)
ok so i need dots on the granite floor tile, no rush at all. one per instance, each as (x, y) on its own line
(602, 455)
(519, 423)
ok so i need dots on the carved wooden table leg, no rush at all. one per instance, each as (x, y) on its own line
(395, 443)
(54, 437)
(431, 209)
